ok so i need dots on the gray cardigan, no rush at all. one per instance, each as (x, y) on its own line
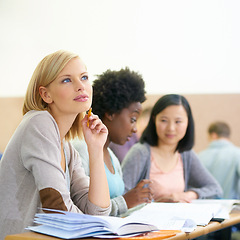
(31, 175)
(136, 166)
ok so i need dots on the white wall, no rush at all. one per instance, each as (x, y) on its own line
(181, 46)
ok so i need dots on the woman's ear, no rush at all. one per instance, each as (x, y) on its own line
(109, 116)
(46, 97)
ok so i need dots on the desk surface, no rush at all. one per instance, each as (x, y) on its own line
(200, 231)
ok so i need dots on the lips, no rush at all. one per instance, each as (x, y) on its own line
(170, 135)
(129, 138)
(81, 98)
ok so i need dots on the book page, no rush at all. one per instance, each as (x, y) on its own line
(158, 212)
(227, 206)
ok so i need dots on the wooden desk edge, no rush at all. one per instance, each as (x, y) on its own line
(211, 227)
(200, 231)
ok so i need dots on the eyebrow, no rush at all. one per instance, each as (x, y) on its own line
(68, 75)
(136, 111)
(168, 117)
(84, 73)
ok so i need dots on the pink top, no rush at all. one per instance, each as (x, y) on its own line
(164, 184)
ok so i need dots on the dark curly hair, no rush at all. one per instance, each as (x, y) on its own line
(116, 90)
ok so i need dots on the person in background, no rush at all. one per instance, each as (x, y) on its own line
(222, 159)
(121, 150)
(165, 156)
(0, 156)
(40, 168)
(117, 98)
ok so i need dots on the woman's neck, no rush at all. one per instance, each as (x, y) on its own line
(108, 160)
(167, 150)
(64, 122)
(165, 157)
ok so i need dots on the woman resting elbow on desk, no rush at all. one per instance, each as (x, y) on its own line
(40, 168)
(117, 98)
(165, 156)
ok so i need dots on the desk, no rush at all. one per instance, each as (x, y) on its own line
(200, 231)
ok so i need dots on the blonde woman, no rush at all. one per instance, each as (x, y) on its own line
(40, 168)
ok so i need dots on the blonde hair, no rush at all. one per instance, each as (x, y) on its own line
(45, 73)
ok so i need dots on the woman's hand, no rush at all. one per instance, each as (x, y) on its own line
(186, 197)
(96, 134)
(139, 194)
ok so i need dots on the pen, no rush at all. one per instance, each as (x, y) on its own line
(89, 114)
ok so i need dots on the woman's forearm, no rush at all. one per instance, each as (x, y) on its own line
(98, 188)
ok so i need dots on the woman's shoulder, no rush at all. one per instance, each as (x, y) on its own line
(144, 147)
(189, 153)
(139, 152)
(39, 118)
(39, 123)
(189, 156)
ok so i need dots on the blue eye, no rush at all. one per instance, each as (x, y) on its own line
(66, 80)
(85, 77)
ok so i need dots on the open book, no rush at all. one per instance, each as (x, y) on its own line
(67, 225)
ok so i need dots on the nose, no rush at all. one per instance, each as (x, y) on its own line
(79, 85)
(134, 128)
(171, 126)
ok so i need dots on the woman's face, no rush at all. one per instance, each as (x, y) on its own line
(123, 125)
(171, 125)
(71, 91)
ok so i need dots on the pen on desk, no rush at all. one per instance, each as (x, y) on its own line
(89, 114)
(217, 219)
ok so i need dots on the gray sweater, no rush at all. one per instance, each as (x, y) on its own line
(136, 166)
(31, 176)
